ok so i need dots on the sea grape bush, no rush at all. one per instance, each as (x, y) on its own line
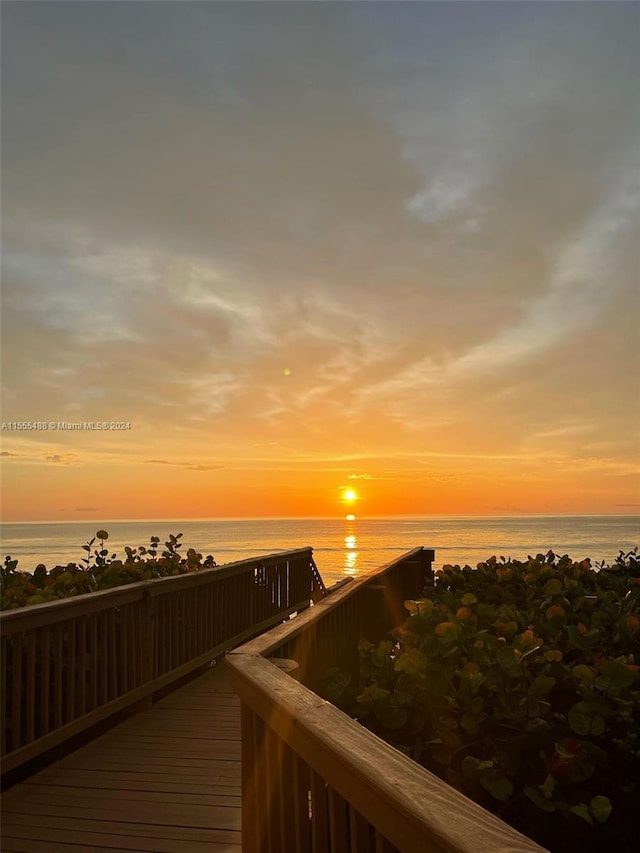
(98, 569)
(517, 682)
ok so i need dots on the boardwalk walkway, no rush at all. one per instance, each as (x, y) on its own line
(167, 779)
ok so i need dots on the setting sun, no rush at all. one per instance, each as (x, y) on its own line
(350, 495)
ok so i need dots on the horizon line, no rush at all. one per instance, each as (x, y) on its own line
(184, 520)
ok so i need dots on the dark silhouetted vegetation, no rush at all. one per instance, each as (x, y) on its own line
(98, 569)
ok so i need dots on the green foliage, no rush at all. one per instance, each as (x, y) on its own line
(98, 569)
(517, 682)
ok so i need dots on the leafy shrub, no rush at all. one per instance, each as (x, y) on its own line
(517, 682)
(98, 569)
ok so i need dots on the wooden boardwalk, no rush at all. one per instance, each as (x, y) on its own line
(166, 780)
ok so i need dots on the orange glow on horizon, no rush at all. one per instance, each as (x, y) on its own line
(95, 492)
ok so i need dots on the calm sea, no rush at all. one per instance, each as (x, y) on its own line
(341, 547)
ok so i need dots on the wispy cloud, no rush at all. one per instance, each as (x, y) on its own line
(189, 466)
(60, 458)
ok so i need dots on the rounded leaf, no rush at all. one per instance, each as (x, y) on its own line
(600, 808)
(552, 587)
(444, 628)
(583, 720)
(583, 811)
(501, 788)
(584, 674)
(536, 796)
(633, 623)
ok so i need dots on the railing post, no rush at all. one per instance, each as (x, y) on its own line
(252, 827)
(318, 589)
(148, 645)
(376, 622)
(428, 556)
(418, 573)
(383, 602)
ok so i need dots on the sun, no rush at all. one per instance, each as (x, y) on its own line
(350, 495)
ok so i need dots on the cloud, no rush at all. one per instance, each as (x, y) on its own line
(60, 458)
(390, 475)
(189, 466)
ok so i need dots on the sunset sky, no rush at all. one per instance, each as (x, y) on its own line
(303, 248)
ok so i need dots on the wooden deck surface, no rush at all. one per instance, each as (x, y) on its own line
(167, 779)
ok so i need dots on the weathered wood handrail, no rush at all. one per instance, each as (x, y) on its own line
(314, 780)
(69, 664)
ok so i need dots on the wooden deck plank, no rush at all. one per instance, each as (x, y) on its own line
(132, 776)
(136, 790)
(207, 724)
(209, 748)
(30, 845)
(105, 752)
(127, 811)
(153, 734)
(197, 703)
(196, 691)
(130, 830)
(166, 780)
(194, 768)
(103, 842)
(91, 753)
(200, 712)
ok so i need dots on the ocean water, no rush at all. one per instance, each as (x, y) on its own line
(341, 547)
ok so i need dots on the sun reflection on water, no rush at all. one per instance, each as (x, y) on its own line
(351, 553)
(351, 563)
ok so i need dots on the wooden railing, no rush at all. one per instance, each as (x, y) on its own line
(314, 780)
(69, 664)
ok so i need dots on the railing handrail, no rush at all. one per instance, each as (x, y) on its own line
(49, 612)
(411, 807)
